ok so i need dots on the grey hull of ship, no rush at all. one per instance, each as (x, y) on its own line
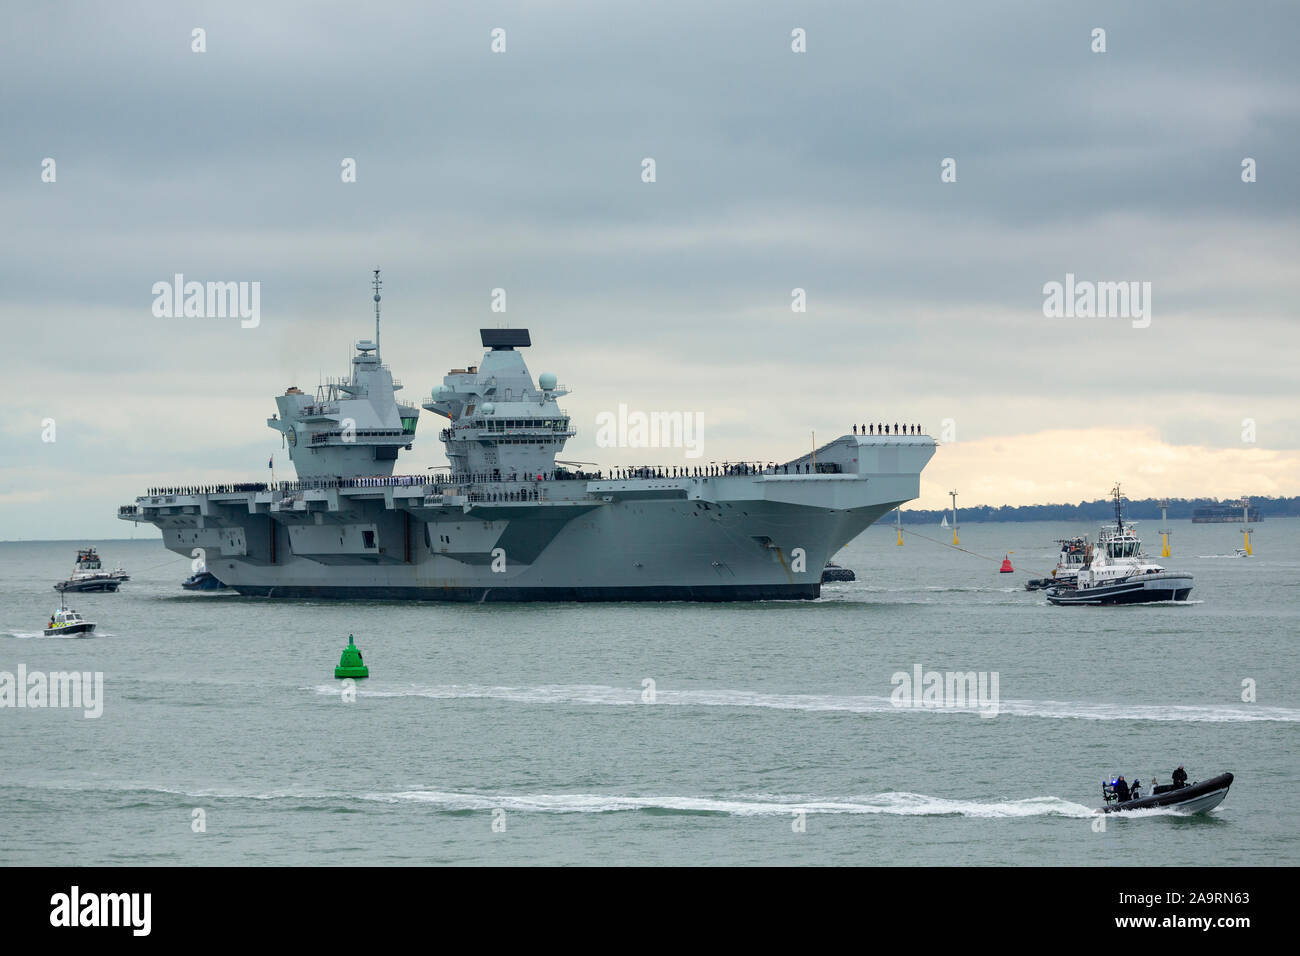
(643, 551)
(482, 595)
(733, 538)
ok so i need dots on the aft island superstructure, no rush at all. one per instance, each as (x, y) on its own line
(506, 522)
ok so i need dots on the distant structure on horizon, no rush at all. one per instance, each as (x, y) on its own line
(1229, 511)
(1199, 510)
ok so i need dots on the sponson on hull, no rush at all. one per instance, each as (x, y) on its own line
(507, 523)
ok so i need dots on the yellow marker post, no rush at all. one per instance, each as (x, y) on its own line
(898, 512)
(1164, 532)
(954, 518)
(1245, 530)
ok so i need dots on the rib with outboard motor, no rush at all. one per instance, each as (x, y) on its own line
(1199, 797)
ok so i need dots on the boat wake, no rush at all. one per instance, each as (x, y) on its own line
(738, 805)
(596, 695)
(894, 804)
(40, 635)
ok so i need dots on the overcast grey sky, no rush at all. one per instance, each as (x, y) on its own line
(775, 170)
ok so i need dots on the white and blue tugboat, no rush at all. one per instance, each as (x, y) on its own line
(89, 575)
(202, 580)
(1116, 571)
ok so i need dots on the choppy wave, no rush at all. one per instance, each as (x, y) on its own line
(597, 695)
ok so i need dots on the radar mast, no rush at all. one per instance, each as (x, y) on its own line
(377, 284)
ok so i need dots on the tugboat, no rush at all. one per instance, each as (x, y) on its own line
(202, 580)
(833, 572)
(1199, 797)
(89, 575)
(1117, 572)
(66, 622)
(1067, 565)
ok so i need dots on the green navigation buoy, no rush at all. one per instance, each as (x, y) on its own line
(350, 662)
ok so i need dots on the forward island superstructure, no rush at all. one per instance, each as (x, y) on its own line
(506, 522)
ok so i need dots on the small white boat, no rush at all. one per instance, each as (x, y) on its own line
(1242, 553)
(65, 622)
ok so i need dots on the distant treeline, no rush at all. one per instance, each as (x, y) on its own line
(1143, 509)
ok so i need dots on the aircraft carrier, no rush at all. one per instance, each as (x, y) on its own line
(505, 521)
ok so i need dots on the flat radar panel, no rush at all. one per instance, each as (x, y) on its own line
(498, 339)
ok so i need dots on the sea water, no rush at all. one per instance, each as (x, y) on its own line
(671, 733)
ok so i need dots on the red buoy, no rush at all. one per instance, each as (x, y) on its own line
(1006, 566)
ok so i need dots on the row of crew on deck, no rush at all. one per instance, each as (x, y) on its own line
(208, 489)
(380, 481)
(526, 493)
(726, 469)
(621, 473)
(303, 484)
(882, 428)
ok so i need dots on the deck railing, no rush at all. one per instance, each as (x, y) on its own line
(476, 480)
